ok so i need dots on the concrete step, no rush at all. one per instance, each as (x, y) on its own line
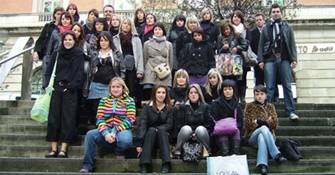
(16, 103)
(304, 113)
(316, 121)
(110, 173)
(131, 165)
(281, 131)
(308, 152)
(309, 106)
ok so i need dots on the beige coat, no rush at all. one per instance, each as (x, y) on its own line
(155, 52)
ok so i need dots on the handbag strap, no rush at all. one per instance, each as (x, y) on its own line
(51, 81)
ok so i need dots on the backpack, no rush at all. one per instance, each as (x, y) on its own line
(192, 151)
(289, 149)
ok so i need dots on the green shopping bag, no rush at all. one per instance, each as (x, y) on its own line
(40, 110)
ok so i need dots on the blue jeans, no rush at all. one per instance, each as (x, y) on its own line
(283, 67)
(264, 140)
(124, 139)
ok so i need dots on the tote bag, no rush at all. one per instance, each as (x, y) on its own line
(40, 110)
(235, 164)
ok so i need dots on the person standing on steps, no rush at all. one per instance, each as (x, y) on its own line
(277, 54)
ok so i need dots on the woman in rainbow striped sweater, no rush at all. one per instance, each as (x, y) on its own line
(115, 117)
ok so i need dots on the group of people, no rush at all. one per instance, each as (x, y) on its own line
(112, 65)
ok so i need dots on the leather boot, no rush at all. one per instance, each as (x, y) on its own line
(224, 150)
(236, 147)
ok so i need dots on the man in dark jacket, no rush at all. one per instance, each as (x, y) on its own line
(277, 52)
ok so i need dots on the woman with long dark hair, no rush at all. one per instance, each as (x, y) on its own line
(139, 21)
(80, 34)
(63, 106)
(91, 16)
(178, 27)
(154, 126)
(148, 32)
(104, 66)
(73, 10)
(40, 46)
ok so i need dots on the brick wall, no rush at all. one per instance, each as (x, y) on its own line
(86, 5)
(15, 6)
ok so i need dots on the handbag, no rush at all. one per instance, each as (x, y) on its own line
(226, 126)
(192, 151)
(289, 148)
(235, 164)
(229, 64)
(40, 110)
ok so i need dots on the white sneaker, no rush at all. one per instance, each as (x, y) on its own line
(294, 116)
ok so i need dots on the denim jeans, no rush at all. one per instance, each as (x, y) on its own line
(124, 139)
(265, 141)
(282, 67)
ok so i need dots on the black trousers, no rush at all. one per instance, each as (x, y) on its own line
(62, 117)
(155, 137)
(259, 75)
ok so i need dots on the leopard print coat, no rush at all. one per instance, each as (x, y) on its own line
(254, 111)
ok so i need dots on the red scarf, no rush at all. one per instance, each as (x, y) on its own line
(148, 29)
(63, 29)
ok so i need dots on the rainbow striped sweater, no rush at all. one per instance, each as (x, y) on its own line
(115, 114)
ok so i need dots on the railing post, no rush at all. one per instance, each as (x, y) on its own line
(27, 67)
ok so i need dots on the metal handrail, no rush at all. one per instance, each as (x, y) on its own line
(16, 55)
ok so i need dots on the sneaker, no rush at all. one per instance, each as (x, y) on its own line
(84, 170)
(293, 116)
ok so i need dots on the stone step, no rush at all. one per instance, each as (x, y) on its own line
(281, 131)
(131, 165)
(312, 121)
(110, 173)
(16, 103)
(304, 113)
(309, 106)
(308, 152)
(39, 140)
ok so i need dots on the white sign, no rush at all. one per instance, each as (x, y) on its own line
(316, 48)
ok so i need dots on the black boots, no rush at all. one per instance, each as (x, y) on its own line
(224, 150)
(145, 168)
(236, 147)
(280, 159)
(263, 169)
(166, 168)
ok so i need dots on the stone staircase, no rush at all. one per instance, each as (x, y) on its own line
(23, 145)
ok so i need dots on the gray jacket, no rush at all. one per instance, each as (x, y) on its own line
(265, 43)
(137, 50)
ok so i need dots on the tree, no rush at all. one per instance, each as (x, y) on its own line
(222, 9)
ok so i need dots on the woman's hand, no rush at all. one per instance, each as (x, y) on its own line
(234, 50)
(110, 138)
(35, 57)
(139, 151)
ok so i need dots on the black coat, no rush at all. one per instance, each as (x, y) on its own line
(186, 115)
(150, 117)
(43, 39)
(182, 41)
(178, 94)
(197, 58)
(222, 108)
(211, 31)
(69, 68)
(140, 30)
(253, 37)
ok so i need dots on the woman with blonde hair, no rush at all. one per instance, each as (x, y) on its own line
(212, 88)
(115, 24)
(128, 42)
(180, 85)
(211, 30)
(115, 118)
